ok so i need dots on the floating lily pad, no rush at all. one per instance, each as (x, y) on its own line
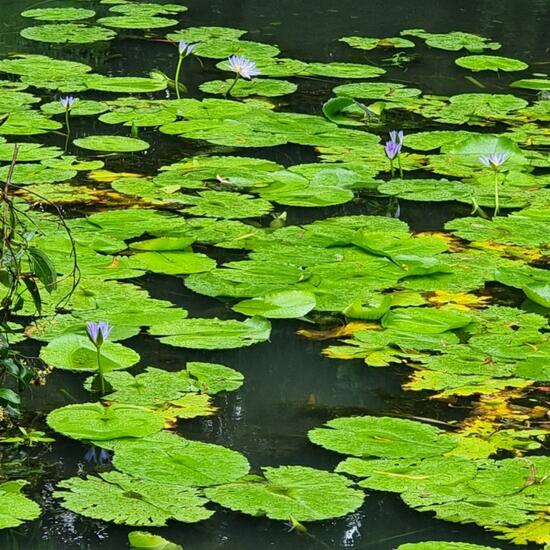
(213, 378)
(173, 263)
(95, 422)
(442, 545)
(377, 90)
(124, 84)
(344, 70)
(143, 21)
(213, 333)
(82, 107)
(297, 492)
(121, 499)
(170, 459)
(542, 84)
(245, 88)
(16, 508)
(381, 436)
(364, 43)
(218, 48)
(111, 144)
(148, 8)
(286, 304)
(454, 41)
(75, 352)
(224, 204)
(490, 63)
(141, 540)
(68, 33)
(58, 14)
(205, 34)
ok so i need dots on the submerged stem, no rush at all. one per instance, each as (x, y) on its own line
(400, 166)
(232, 85)
(177, 77)
(392, 168)
(68, 126)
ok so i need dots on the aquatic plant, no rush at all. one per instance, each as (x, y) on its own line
(393, 150)
(242, 67)
(98, 333)
(495, 161)
(67, 103)
(184, 50)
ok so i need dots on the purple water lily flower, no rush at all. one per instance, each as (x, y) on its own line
(67, 102)
(185, 49)
(494, 160)
(98, 332)
(397, 136)
(392, 149)
(243, 67)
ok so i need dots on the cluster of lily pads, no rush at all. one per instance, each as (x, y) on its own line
(391, 296)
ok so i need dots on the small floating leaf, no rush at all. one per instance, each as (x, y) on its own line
(67, 33)
(16, 508)
(111, 144)
(490, 63)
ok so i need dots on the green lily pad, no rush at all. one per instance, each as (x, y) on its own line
(141, 540)
(111, 144)
(387, 91)
(364, 43)
(442, 545)
(213, 378)
(218, 48)
(195, 35)
(491, 63)
(172, 263)
(542, 84)
(246, 88)
(121, 499)
(82, 107)
(453, 41)
(286, 304)
(58, 14)
(68, 33)
(213, 333)
(381, 436)
(344, 70)
(75, 352)
(124, 84)
(225, 204)
(143, 21)
(29, 152)
(169, 459)
(16, 508)
(148, 8)
(95, 422)
(297, 492)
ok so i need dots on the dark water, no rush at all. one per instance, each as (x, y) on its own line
(289, 386)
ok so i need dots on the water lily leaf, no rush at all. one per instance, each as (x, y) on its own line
(111, 144)
(41, 65)
(225, 204)
(364, 43)
(213, 378)
(213, 333)
(172, 263)
(427, 141)
(297, 492)
(344, 70)
(29, 152)
(148, 8)
(286, 304)
(58, 14)
(246, 88)
(532, 84)
(534, 282)
(75, 352)
(143, 21)
(344, 110)
(490, 63)
(453, 41)
(24, 174)
(163, 244)
(205, 34)
(151, 387)
(275, 66)
(388, 91)
(190, 405)
(16, 508)
(121, 499)
(67, 33)
(421, 320)
(141, 540)
(169, 459)
(93, 421)
(381, 436)
(218, 48)
(435, 190)
(28, 123)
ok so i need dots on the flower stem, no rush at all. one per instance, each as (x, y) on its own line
(100, 372)
(177, 78)
(497, 201)
(392, 169)
(400, 166)
(68, 126)
(232, 85)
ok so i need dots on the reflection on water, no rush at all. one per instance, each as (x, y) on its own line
(289, 387)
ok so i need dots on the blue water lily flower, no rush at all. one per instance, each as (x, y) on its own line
(67, 102)
(397, 136)
(185, 49)
(392, 149)
(243, 67)
(97, 456)
(98, 332)
(494, 160)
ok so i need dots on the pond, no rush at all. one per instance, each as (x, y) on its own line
(269, 263)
